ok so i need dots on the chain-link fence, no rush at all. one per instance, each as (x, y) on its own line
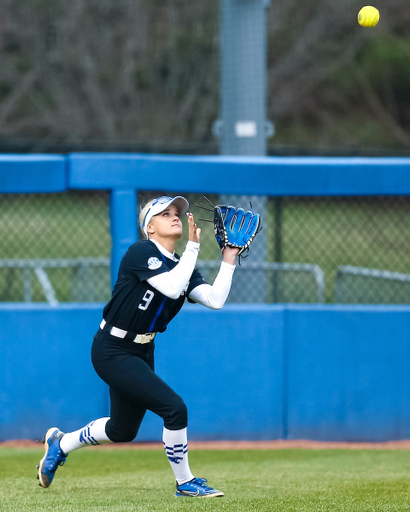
(360, 232)
(56, 248)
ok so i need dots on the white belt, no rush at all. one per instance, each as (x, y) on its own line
(138, 338)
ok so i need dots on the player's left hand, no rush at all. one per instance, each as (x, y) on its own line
(194, 232)
(230, 254)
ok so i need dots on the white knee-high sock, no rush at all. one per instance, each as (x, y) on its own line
(176, 448)
(91, 434)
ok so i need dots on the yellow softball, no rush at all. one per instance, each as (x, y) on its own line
(368, 16)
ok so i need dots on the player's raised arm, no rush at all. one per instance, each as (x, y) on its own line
(173, 283)
(214, 296)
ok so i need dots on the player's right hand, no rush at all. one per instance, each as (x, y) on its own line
(194, 233)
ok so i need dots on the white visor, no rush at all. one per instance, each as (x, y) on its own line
(160, 204)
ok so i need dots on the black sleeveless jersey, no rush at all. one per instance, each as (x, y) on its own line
(135, 305)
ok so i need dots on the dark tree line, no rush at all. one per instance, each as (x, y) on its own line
(146, 72)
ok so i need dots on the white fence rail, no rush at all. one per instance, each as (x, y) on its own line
(385, 286)
(40, 267)
(315, 270)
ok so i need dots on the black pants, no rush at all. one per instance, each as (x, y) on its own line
(128, 369)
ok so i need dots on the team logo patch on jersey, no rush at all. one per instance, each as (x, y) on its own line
(154, 263)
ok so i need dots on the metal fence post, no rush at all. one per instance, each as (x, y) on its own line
(243, 127)
(123, 220)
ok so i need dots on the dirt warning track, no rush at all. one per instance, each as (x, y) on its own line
(238, 445)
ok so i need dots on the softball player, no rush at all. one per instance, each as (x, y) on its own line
(152, 285)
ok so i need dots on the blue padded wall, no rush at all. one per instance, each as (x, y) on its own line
(245, 372)
(348, 371)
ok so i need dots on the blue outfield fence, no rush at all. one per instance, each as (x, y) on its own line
(326, 372)
(245, 372)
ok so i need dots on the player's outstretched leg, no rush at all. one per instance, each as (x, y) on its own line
(53, 457)
(58, 445)
(197, 488)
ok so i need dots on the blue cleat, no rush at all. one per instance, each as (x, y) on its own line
(196, 488)
(53, 457)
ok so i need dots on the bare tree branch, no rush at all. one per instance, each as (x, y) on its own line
(11, 101)
(380, 111)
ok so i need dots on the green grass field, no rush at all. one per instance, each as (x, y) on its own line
(266, 480)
